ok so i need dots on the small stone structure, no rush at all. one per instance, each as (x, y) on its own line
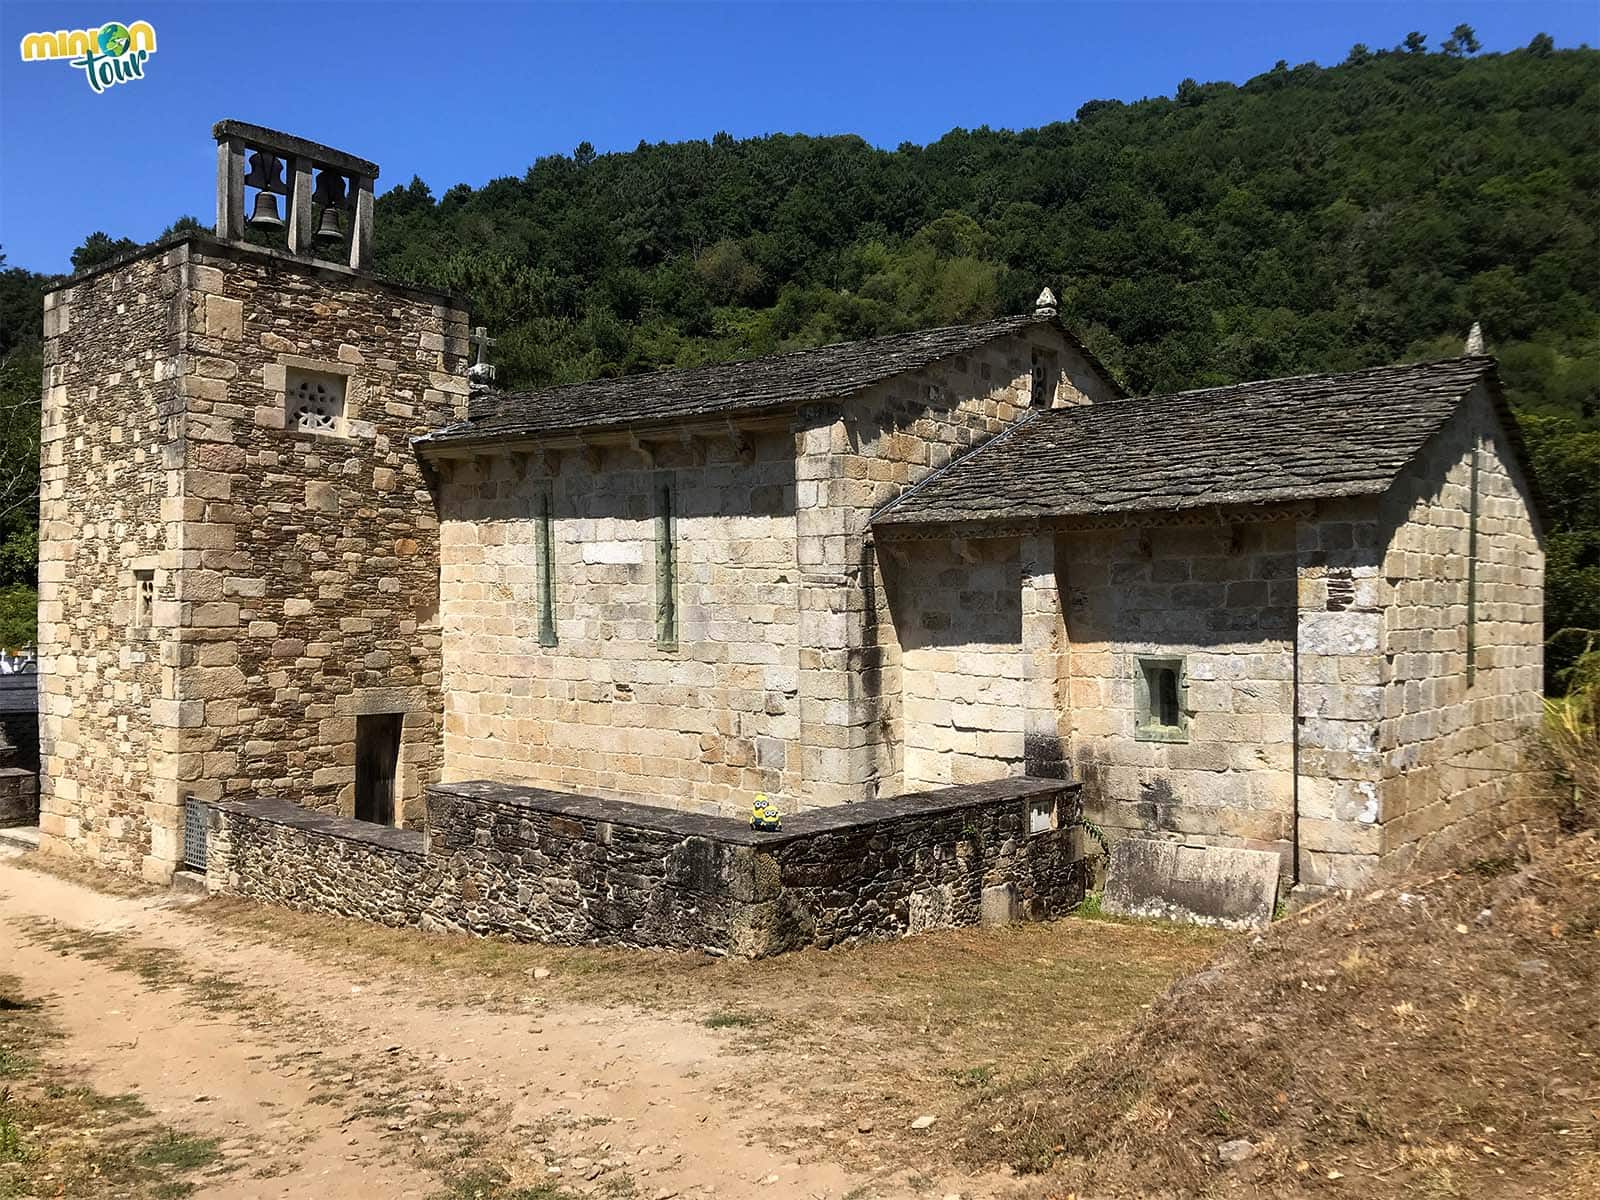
(539, 865)
(19, 749)
(1197, 885)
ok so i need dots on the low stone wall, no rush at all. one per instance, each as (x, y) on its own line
(19, 796)
(548, 866)
(280, 853)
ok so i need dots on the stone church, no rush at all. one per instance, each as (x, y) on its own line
(303, 567)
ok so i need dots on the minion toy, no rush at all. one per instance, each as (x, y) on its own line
(764, 814)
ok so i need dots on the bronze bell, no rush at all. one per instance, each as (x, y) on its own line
(328, 228)
(265, 215)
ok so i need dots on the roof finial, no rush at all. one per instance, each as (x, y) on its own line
(1475, 339)
(1045, 305)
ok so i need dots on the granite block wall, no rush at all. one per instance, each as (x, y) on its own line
(1453, 736)
(1220, 597)
(532, 864)
(958, 620)
(785, 675)
(867, 452)
(605, 706)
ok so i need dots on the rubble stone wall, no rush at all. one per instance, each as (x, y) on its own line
(19, 796)
(537, 865)
(311, 594)
(295, 573)
(110, 473)
(1454, 743)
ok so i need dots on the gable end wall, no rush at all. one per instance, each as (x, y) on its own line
(1453, 748)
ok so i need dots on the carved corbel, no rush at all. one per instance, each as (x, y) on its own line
(693, 447)
(741, 443)
(591, 457)
(643, 449)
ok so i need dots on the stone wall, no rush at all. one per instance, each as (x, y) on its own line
(547, 866)
(1453, 741)
(1022, 654)
(957, 606)
(316, 590)
(853, 459)
(110, 471)
(1220, 597)
(19, 796)
(786, 674)
(1342, 598)
(295, 572)
(608, 709)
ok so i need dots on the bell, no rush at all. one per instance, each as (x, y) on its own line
(328, 229)
(265, 215)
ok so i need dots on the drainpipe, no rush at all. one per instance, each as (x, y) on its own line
(1294, 744)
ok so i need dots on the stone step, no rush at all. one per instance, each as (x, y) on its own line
(20, 837)
(189, 881)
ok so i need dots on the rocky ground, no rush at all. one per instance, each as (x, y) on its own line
(232, 1052)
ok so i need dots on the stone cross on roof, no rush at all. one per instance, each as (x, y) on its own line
(1045, 305)
(482, 370)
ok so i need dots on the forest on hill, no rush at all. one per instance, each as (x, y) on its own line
(1313, 218)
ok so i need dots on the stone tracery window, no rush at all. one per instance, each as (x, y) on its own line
(314, 402)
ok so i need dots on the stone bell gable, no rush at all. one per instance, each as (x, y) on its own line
(238, 548)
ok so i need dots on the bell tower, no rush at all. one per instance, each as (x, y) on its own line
(238, 547)
(283, 165)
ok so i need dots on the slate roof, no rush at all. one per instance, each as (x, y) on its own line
(1278, 440)
(726, 389)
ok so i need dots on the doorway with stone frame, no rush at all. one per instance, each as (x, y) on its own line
(377, 766)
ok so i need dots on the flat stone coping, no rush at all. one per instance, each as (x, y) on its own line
(283, 812)
(835, 818)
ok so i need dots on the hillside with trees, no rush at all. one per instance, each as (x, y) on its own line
(1313, 218)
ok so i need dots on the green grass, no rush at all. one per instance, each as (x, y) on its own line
(974, 1077)
(728, 1020)
(178, 1152)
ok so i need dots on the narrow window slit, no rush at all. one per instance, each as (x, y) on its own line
(666, 569)
(547, 575)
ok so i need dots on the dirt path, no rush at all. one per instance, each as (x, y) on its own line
(324, 1081)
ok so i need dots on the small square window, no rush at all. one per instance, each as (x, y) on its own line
(1161, 716)
(144, 599)
(314, 402)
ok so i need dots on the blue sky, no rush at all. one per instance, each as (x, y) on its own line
(466, 92)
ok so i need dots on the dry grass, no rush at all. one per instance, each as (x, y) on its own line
(87, 874)
(875, 1033)
(1436, 1039)
(58, 1138)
